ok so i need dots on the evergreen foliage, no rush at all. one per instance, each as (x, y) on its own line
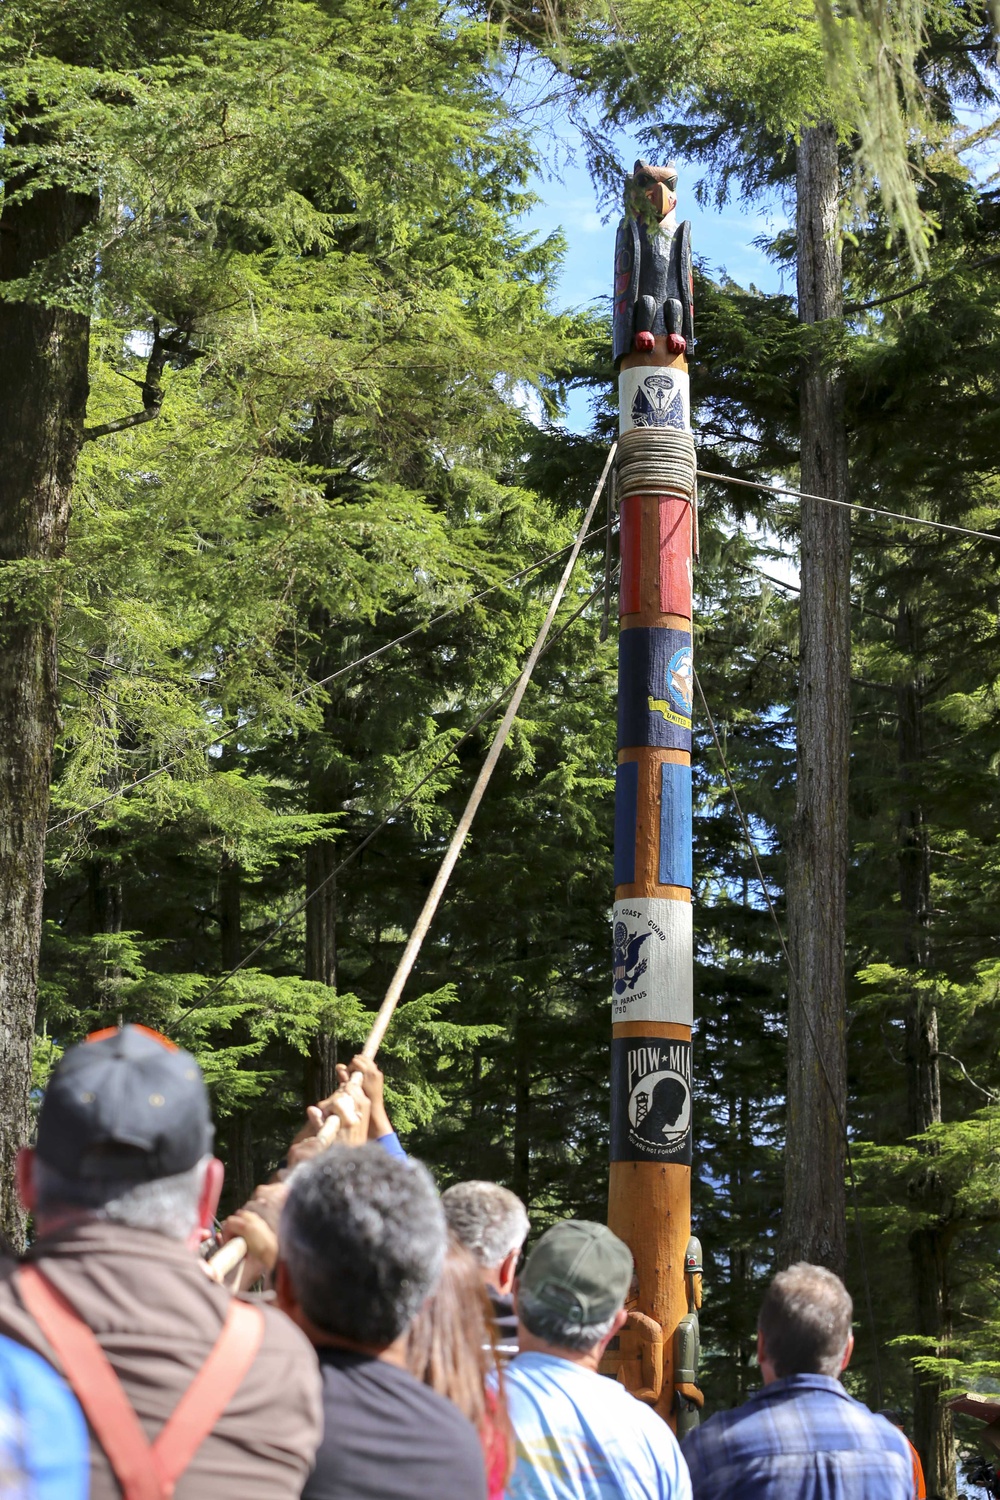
(316, 329)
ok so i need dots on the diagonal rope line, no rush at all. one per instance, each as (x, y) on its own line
(390, 815)
(841, 1120)
(872, 510)
(313, 687)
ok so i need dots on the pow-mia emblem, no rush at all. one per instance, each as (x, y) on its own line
(650, 1099)
(658, 402)
(676, 707)
(628, 967)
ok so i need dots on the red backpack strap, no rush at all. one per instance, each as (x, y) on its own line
(211, 1391)
(144, 1471)
(95, 1385)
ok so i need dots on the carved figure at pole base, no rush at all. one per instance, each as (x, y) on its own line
(653, 280)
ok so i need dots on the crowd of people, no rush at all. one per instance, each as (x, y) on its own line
(391, 1349)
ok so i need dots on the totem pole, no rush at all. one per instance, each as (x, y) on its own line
(650, 1195)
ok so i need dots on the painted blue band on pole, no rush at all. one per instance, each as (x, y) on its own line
(655, 688)
(626, 813)
(675, 825)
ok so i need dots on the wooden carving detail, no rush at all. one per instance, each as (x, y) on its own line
(653, 280)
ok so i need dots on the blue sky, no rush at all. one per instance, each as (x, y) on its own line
(724, 238)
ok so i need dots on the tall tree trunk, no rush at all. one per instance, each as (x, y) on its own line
(521, 1174)
(104, 901)
(814, 1214)
(321, 963)
(43, 399)
(240, 1174)
(933, 1429)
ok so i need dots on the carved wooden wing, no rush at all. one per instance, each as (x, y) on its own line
(626, 284)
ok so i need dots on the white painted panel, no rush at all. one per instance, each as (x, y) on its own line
(652, 961)
(654, 396)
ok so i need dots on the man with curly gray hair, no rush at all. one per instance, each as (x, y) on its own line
(492, 1223)
(362, 1245)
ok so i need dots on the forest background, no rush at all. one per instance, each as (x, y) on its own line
(327, 366)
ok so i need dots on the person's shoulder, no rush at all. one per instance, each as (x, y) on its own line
(430, 1403)
(280, 1332)
(291, 1362)
(734, 1429)
(879, 1432)
(654, 1430)
(31, 1377)
(42, 1428)
(408, 1405)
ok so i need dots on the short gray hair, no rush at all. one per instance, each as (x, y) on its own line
(805, 1321)
(489, 1220)
(363, 1238)
(553, 1329)
(167, 1205)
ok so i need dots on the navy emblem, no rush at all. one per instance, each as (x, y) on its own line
(627, 966)
(658, 402)
(680, 690)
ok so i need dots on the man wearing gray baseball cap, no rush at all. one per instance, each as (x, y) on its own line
(187, 1390)
(579, 1435)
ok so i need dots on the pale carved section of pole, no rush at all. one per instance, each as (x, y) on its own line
(814, 1209)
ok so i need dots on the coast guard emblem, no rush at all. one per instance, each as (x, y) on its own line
(627, 966)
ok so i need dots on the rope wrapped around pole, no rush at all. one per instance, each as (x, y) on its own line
(656, 461)
(331, 1127)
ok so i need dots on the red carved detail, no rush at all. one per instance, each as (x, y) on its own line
(630, 543)
(675, 556)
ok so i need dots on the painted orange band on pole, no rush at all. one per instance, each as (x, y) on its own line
(667, 1029)
(655, 752)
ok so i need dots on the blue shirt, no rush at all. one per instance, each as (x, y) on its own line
(800, 1438)
(44, 1447)
(392, 1145)
(581, 1436)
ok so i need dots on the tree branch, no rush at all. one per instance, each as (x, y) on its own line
(165, 346)
(120, 424)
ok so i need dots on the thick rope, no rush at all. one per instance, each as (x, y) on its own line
(232, 1253)
(656, 461)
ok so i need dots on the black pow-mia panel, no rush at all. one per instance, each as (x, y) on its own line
(650, 1099)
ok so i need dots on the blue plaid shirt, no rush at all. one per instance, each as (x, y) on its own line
(800, 1438)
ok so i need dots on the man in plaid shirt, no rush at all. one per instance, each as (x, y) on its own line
(802, 1437)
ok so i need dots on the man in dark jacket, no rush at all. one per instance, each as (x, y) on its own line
(362, 1245)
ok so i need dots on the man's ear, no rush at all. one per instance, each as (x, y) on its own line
(507, 1268)
(848, 1351)
(24, 1178)
(211, 1191)
(285, 1292)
